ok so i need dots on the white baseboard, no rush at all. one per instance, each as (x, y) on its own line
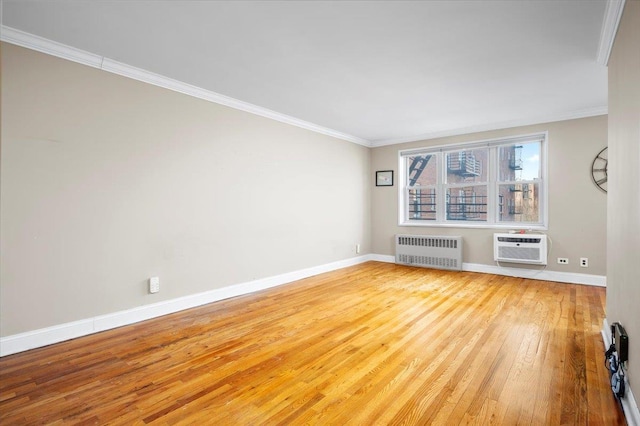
(59, 333)
(629, 405)
(534, 274)
(538, 274)
(383, 258)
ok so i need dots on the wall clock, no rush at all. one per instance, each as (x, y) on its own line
(599, 169)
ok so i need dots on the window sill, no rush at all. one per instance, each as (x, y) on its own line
(511, 226)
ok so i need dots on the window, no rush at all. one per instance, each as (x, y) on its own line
(498, 183)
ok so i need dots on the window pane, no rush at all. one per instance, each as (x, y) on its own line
(422, 170)
(422, 204)
(467, 166)
(518, 203)
(519, 162)
(468, 203)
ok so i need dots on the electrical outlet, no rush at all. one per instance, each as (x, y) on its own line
(563, 261)
(357, 248)
(154, 284)
(584, 262)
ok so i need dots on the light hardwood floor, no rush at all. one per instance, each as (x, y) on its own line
(372, 344)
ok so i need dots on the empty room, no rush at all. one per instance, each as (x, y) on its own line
(320, 212)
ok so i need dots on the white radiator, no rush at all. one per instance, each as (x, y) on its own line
(520, 248)
(429, 251)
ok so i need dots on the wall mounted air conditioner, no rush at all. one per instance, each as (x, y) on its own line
(520, 248)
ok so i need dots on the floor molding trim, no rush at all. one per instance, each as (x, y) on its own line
(71, 330)
(383, 258)
(58, 333)
(629, 405)
(533, 274)
(538, 274)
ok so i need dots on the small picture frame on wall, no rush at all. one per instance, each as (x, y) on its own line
(384, 178)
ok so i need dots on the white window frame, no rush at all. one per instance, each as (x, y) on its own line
(492, 184)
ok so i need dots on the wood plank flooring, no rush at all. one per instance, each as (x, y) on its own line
(372, 344)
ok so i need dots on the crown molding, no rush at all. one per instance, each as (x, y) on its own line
(583, 113)
(40, 44)
(612, 15)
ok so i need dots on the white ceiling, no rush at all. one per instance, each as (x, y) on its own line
(382, 71)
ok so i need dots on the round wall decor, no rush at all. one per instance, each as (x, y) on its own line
(599, 169)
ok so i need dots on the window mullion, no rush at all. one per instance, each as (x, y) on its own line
(442, 170)
(492, 189)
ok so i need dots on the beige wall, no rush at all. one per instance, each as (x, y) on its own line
(107, 181)
(577, 209)
(623, 242)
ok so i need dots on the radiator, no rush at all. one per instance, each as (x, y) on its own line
(429, 251)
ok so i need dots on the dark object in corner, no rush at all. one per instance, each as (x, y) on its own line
(621, 340)
(614, 358)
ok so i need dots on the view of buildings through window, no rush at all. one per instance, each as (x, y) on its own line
(470, 185)
(518, 189)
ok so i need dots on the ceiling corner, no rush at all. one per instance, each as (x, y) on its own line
(612, 15)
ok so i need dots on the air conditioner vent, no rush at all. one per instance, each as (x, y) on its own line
(520, 248)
